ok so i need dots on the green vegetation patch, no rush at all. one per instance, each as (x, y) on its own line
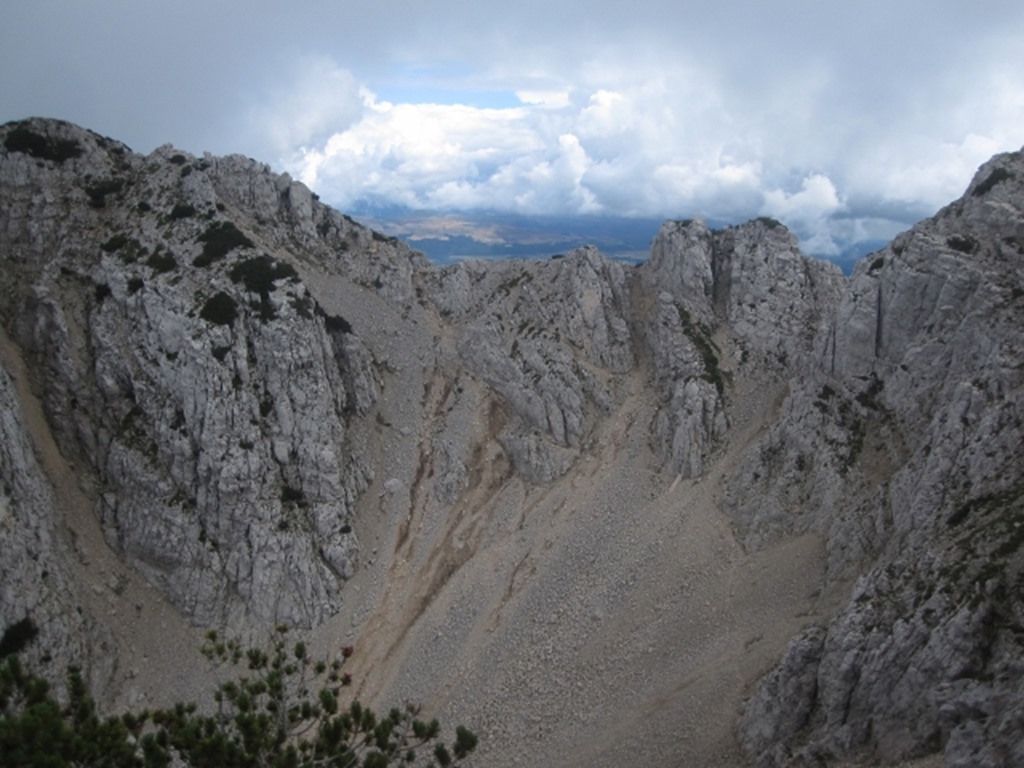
(182, 211)
(279, 707)
(220, 309)
(334, 323)
(701, 338)
(869, 397)
(99, 190)
(380, 237)
(260, 273)
(23, 139)
(291, 495)
(997, 176)
(162, 262)
(115, 243)
(769, 222)
(17, 636)
(218, 240)
(962, 243)
(1006, 506)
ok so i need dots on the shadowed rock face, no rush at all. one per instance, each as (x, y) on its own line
(238, 379)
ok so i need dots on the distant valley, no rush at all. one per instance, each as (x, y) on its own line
(447, 237)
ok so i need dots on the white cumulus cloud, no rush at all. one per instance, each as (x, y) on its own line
(808, 210)
(723, 110)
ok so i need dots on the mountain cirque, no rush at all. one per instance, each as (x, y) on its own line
(726, 507)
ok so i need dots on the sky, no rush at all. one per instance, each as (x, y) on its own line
(847, 121)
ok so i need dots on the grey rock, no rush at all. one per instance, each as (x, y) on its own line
(916, 472)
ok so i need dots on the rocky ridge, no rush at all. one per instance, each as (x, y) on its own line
(264, 401)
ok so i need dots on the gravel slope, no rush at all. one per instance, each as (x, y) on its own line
(609, 616)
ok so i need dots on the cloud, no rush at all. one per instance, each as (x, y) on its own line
(809, 211)
(723, 110)
(553, 98)
(318, 99)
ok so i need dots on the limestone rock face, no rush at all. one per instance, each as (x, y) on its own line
(191, 325)
(38, 592)
(753, 280)
(181, 359)
(551, 340)
(747, 288)
(903, 443)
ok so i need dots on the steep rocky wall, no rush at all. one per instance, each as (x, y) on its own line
(748, 287)
(182, 361)
(40, 599)
(904, 445)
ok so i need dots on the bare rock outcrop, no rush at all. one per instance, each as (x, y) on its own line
(171, 309)
(39, 597)
(903, 444)
(748, 288)
(182, 360)
(550, 339)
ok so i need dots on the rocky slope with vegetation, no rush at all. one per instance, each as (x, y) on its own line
(725, 507)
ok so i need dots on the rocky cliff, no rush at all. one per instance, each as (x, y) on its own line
(902, 443)
(275, 415)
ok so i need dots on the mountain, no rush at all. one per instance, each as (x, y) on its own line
(722, 507)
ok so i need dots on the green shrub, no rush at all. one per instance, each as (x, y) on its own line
(303, 306)
(114, 243)
(769, 222)
(962, 243)
(17, 636)
(25, 140)
(182, 211)
(380, 237)
(98, 191)
(334, 323)
(134, 285)
(162, 262)
(290, 495)
(283, 709)
(259, 274)
(998, 175)
(220, 309)
(218, 240)
(701, 338)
